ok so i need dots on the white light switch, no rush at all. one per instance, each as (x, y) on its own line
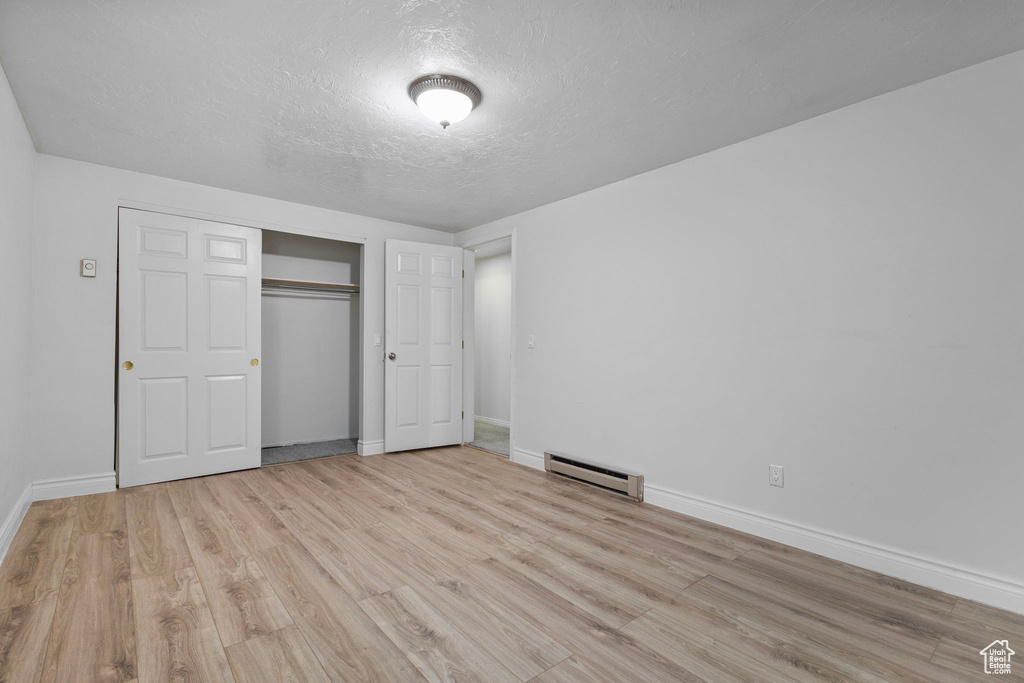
(88, 267)
(376, 340)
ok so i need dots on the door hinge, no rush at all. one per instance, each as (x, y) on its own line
(463, 343)
(463, 274)
(463, 414)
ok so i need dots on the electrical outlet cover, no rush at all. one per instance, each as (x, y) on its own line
(776, 475)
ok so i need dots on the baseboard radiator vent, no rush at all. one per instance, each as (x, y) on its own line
(629, 484)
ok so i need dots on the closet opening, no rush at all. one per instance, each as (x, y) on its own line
(492, 358)
(310, 329)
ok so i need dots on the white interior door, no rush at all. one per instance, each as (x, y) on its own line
(188, 347)
(423, 350)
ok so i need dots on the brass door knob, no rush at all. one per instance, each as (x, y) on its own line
(254, 362)
(127, 365)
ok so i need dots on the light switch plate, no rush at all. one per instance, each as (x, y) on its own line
(88, 267)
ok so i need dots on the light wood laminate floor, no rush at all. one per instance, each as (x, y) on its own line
(448, 564)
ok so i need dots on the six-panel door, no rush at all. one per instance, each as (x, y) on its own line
(188, 347)
(423, 330)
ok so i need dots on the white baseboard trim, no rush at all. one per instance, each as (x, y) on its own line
(1000, 592)
(492, 421)
(13, 520)
(528, 458)
(370, 447)
(303, 443)
(47, 489)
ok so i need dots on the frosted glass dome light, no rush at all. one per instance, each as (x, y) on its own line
(444, 99)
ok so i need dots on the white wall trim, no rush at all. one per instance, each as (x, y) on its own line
(491, 420)
(14, 519)
(370, 447)
(957, 580)
(47, 489)
(528, 458)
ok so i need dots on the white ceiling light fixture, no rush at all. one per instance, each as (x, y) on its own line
(444, 99)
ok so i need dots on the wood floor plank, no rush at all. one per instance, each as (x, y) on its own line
(192, 497)
(679, 530)
(451, 550)
(93, 633)
(489, 540)
(499, 520)
(925, 624)
(521, 648)
(32, 567)
(879, 596)
(576, 669)
(614, 603)
(438, 649)
(902, 592)
(394, 552)
(319, 532)
(250, 515)
(575, 629)
(590, 543)
(347, 643)
(177, 637)
(555, 521)
(664, 547)
(770, 649)
(643, 588)
(1007, 622)
(351, 510)
(359, 574)
(850, 639)
(100, 512)
(282, 657)
(241, 599)
(157, 545)
(472, 567)
(276, 482)
(965, 662)
(691, 647)
(24, 633)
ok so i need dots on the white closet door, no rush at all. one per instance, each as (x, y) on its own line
(188, 347)
(423, 334)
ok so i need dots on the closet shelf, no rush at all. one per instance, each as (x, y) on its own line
(306, 286)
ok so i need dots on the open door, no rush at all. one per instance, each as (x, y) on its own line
(188, 347)
(423, 345)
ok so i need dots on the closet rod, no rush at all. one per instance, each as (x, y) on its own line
(303, 285)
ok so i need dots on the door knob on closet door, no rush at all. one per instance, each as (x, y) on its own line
(254, 362)
(392, 355)
(127, 365)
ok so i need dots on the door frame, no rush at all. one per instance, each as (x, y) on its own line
(245, 223)
(468, 321)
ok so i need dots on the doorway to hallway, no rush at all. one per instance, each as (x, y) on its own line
(492, 360)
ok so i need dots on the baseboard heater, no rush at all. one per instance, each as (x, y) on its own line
(628, 484)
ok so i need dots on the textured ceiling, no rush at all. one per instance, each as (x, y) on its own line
(305, 100)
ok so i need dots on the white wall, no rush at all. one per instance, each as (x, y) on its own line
(17, 168)
(73, 321)
(843, 297)
(310, 343)
(492, 361)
